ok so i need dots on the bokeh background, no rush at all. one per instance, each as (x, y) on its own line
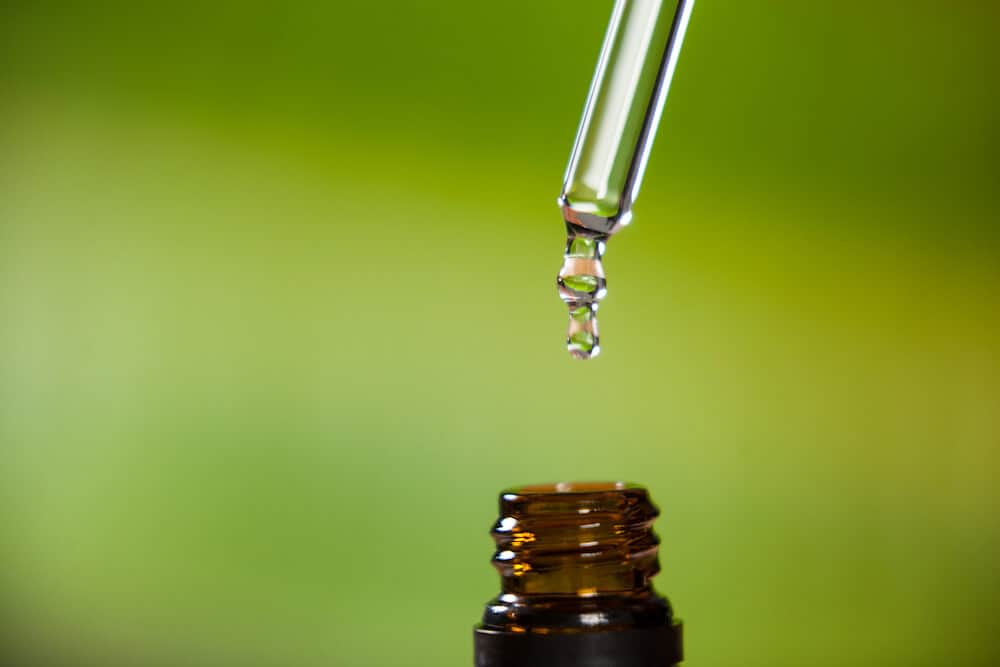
(278, 321)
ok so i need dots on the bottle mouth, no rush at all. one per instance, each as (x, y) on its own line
(572, 487)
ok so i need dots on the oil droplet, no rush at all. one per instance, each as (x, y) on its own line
(582, 286)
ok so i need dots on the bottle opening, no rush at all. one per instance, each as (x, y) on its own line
(571, 487)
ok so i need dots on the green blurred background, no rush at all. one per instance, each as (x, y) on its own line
(278, 320)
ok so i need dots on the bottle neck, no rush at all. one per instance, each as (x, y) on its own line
(576, 557)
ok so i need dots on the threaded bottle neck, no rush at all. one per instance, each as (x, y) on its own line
(576, 557)
(581, 539)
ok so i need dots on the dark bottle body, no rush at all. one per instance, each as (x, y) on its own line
(575, 562)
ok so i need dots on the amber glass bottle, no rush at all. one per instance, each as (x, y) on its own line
(575, 563)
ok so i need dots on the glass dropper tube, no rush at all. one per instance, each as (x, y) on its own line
(612, 147)
(623, 109)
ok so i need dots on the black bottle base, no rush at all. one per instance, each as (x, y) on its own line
(635, 647)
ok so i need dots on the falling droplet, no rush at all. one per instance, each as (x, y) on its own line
(582, 286)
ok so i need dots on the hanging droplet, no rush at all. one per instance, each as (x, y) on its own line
(582, 286)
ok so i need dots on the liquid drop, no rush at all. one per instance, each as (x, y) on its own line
(581, 287)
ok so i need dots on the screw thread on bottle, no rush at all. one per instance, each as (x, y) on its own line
(576, 557)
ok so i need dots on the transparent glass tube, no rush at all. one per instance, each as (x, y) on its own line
(623, 109)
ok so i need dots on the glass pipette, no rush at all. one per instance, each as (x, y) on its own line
(612, 147)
